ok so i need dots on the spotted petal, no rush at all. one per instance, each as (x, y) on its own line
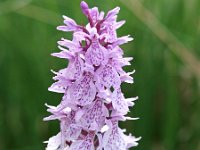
(72, 132)
(94, 116)
(113, 138)
(83, 91)
(118, 102)
(96, 54)
(85, 144)
(108, 76)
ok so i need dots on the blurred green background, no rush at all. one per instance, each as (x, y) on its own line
(166, 53)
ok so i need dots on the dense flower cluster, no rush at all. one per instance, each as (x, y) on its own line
(93, 102)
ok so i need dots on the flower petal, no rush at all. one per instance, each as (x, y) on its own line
(54, 142)
(96, 54)
(108, 76)
(118, 102)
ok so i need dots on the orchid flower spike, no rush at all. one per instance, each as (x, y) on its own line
(93, 103)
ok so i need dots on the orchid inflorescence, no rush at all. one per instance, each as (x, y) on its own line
(93, 103)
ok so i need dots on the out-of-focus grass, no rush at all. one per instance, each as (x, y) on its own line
(167, 86)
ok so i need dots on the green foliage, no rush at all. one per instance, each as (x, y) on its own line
(169, 99)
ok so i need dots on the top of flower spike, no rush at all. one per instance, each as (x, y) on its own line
(94, 11)
(95, 18)
(84, 7)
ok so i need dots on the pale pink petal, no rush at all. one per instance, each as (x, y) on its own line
(118, 102)
(70, 25)
(96, 54)
(83, 91)
(112, 13)
(54, 142)
(108, 76)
